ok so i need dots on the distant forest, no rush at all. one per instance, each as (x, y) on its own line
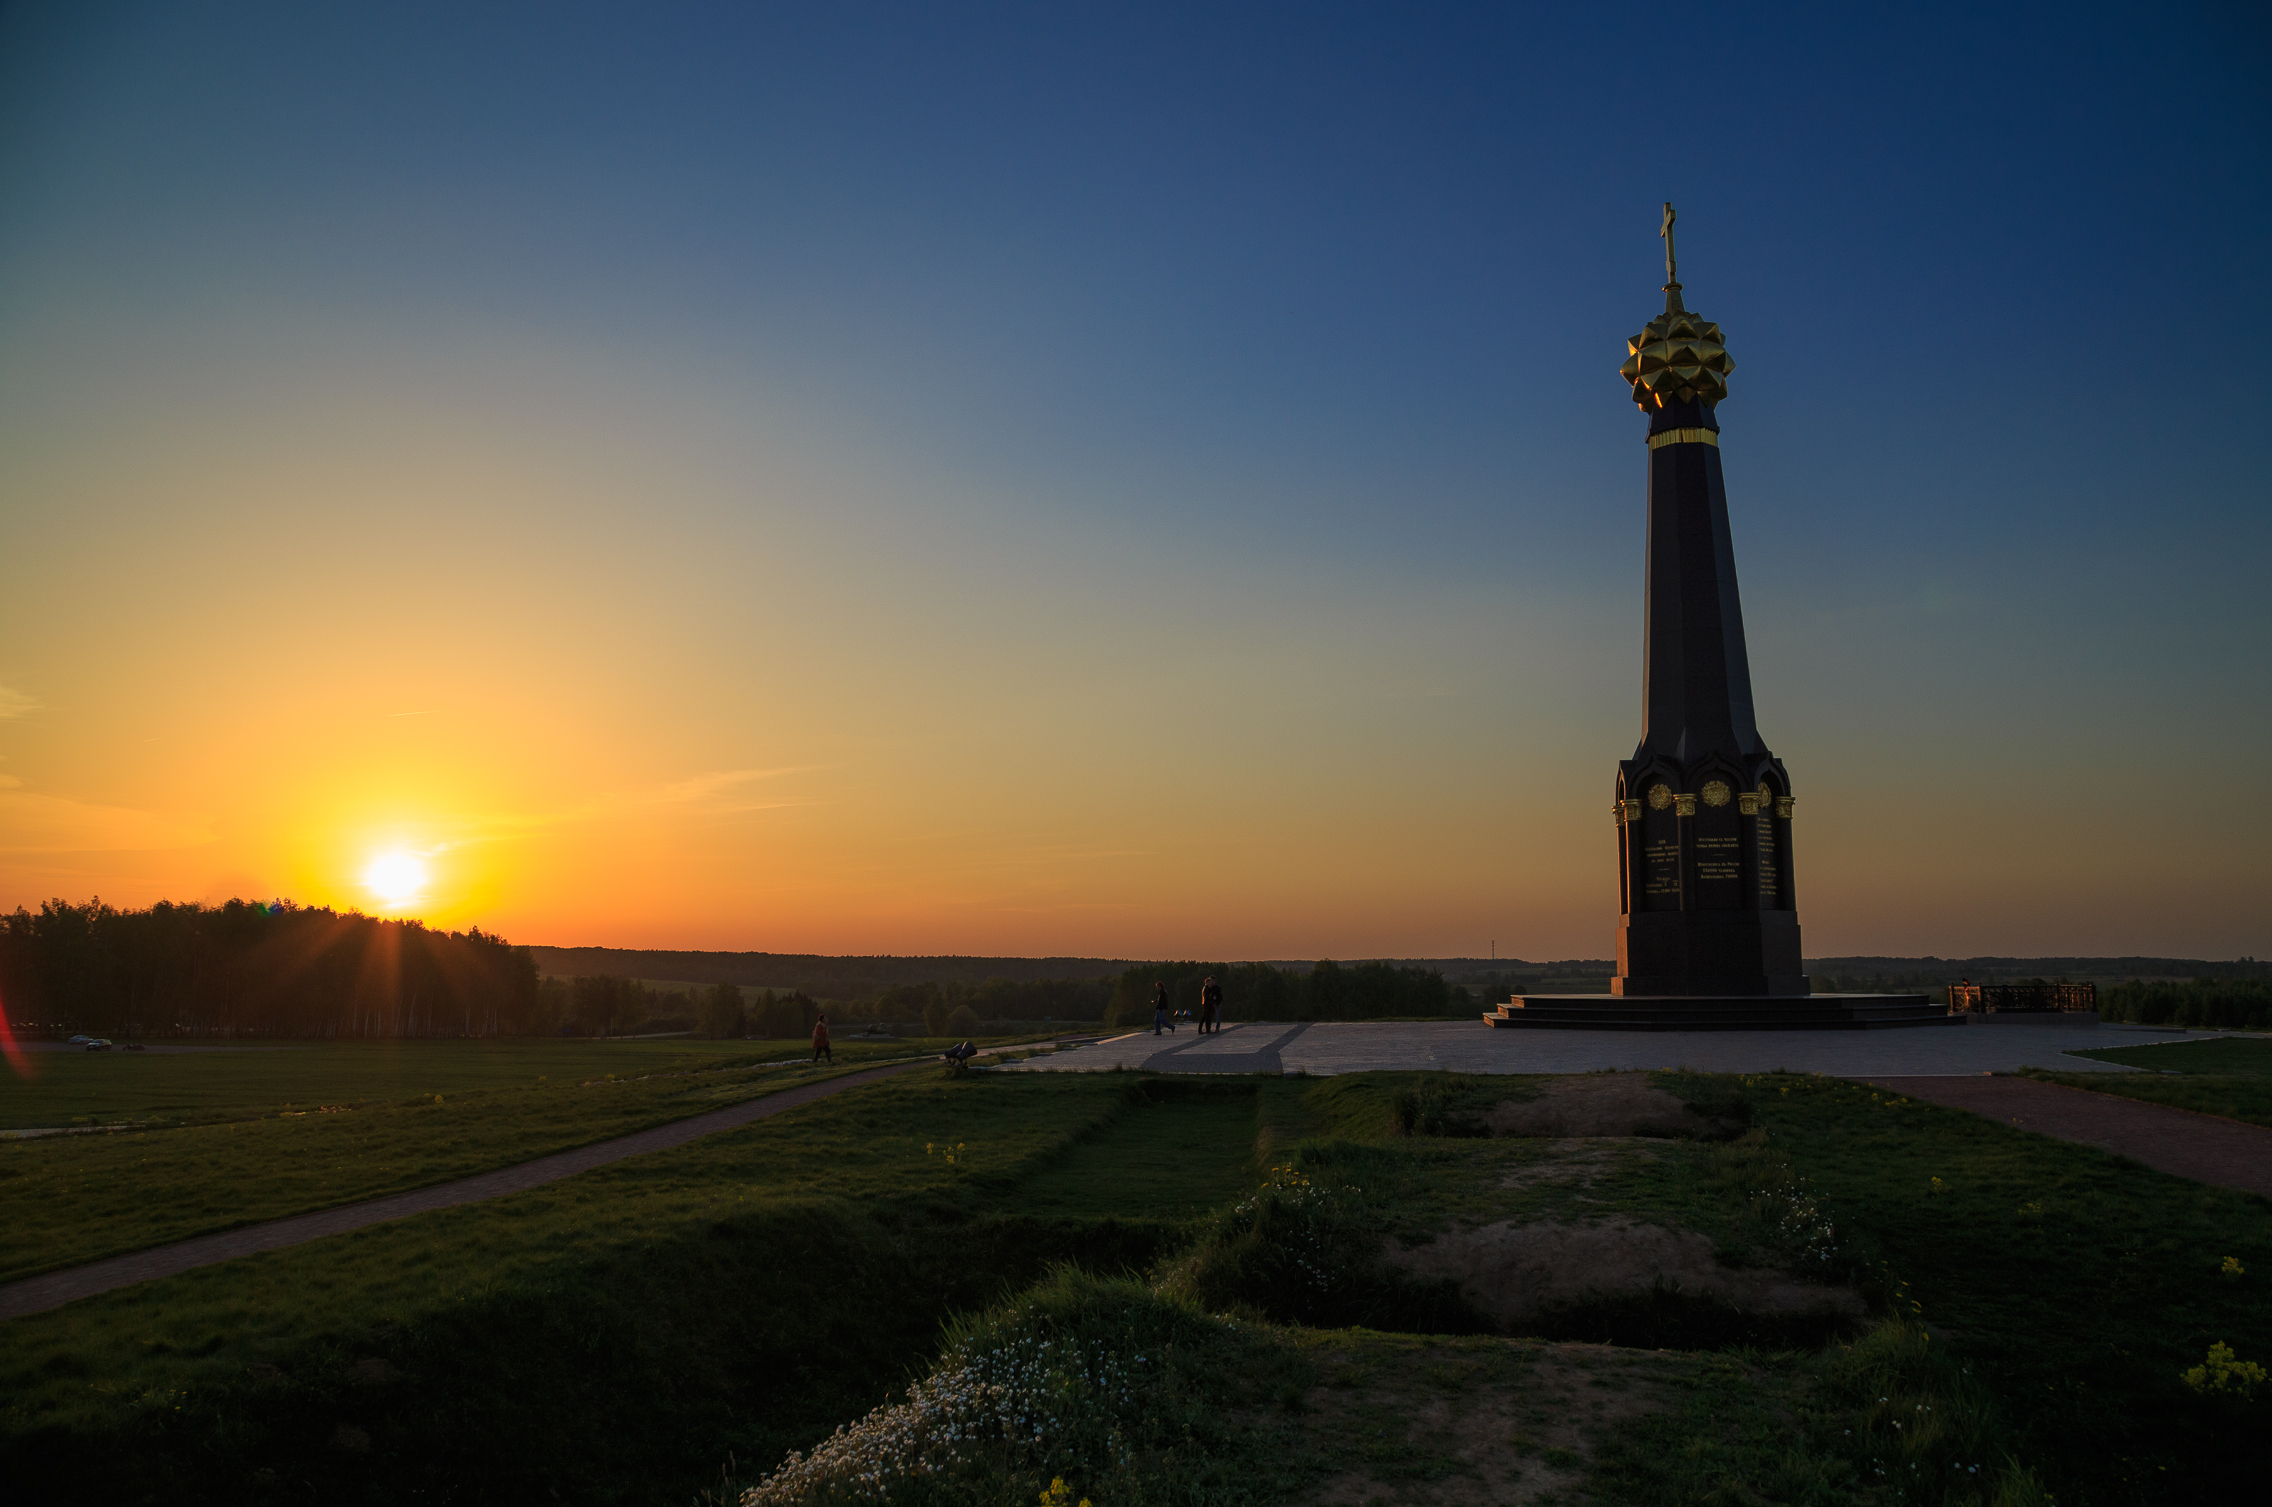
(1850, 975)
(250, 969)
(845, 978)
(870, 978)
(1267, 991)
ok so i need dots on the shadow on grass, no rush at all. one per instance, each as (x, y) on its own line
(617, 1383)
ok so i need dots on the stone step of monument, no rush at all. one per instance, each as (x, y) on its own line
(1609, 1012)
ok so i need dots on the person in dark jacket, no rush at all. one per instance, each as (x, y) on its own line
(820, 1041)
(1160, 1008)
(1210, 1007)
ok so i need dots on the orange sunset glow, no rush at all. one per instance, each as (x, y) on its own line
(445, 535)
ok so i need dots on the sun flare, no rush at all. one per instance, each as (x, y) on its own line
(396, 877)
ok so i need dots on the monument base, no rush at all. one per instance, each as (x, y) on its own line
(1719, 1012)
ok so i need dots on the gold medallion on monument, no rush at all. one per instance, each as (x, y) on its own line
(1716, 792)
(1660, 797)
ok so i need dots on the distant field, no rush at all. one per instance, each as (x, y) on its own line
(2230, 1077)
(260, 1135)
(100, 1088)
(756, 1285)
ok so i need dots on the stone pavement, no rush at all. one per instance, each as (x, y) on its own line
(54, 1289)
(1327, 1047)
(2206, 1148)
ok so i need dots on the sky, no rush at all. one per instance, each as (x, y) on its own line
(1134, 481)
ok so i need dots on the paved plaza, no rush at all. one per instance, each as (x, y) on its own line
(1472, 1047)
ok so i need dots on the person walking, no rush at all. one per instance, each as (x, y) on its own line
(1211, 1007)
(1160, 1007)
(820, 1041)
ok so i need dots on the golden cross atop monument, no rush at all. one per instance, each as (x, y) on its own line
(1672, 268)
(1677, 357)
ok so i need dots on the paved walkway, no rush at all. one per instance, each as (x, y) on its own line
(53, 1290)
(2206, 1148)
(1472, 1047)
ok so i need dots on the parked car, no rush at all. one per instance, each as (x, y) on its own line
(97, 1044)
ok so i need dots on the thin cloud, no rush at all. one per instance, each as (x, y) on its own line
(14, 703)
(31, 822)
(711, 794)
(704, 786)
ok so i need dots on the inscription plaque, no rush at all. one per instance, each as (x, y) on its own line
(1719, 858)
(1663, 859)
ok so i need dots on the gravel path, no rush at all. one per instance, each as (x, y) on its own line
(53, 1290)
(2206, 1148)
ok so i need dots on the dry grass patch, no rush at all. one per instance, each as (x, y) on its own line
(1521, 1275)
(1602, 1104)
(1452, 1422)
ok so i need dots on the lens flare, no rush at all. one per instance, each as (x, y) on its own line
(17, 1057)
(396, 878)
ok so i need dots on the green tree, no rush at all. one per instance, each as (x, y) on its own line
(937, 1014)
(788, 1016)
(606, 1005)
(722, 1012)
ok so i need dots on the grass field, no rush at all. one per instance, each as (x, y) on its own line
(624, 1336)
(2231, 1076)
(207, 1086)
(2075, 1285)
(268, 1133)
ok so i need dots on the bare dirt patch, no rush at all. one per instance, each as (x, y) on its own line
(1459, 1422)
(1577, 1164)
(1517, 1274)
(1601, 1104)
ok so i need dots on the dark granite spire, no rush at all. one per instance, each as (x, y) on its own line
(1703, 808)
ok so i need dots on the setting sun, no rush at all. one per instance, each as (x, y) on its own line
(396, 877)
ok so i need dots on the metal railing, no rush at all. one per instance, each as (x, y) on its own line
(1989, 999)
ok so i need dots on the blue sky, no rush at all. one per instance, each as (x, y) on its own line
(1216, 405)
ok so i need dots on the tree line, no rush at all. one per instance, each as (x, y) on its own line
(2224, 1004)
(1265, 991)
(840, 978)
(606, 1004)
(253, 969)
(934, 1003)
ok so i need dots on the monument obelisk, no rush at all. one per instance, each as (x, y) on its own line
(1706, 902)
(1707, 912)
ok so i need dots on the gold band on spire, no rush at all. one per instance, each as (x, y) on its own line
(1684, 437)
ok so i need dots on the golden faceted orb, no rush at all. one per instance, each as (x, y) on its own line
(1660, 797)
(1678, 357)
(1716, 792)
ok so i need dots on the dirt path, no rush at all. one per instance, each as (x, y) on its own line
(53, 1290)
(2206, 1148)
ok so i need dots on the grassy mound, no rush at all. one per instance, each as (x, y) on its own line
(593, 1384)
(1129, 1392)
